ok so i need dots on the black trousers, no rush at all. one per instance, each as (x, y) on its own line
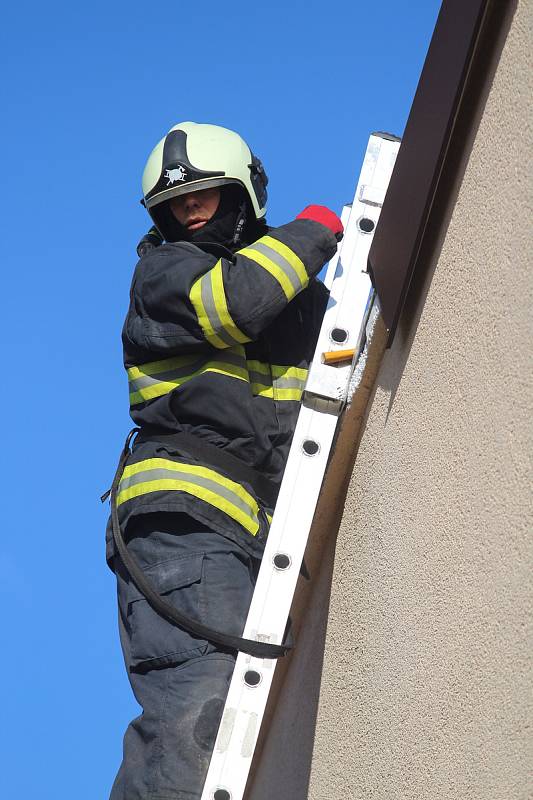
(180, 681)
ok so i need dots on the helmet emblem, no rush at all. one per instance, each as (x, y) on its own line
(174, 175)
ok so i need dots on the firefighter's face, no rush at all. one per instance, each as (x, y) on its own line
(194, 209)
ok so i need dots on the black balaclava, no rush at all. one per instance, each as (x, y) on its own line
(233, 224)
(221, 228)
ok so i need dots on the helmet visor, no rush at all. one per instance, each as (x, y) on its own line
(185, 188)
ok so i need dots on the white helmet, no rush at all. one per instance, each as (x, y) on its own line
(192, 157)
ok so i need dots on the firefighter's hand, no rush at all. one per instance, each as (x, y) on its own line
(325, 217)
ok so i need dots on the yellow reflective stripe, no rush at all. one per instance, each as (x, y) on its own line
(262, 390)
(258, 366)
(194, 469)
(288, 394)
(281, 262)
(219, 295)
(208, 496)
(269, 517)
(164, 387)
(195, 297)
(272, 268)
(290, 256)
(272, 393)
(288, 375)
(279, 371)
(208, 298)
(272, 381)
(261, 369)
(165, 364)
(180, 484)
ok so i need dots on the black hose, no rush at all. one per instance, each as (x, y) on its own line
(164, 609)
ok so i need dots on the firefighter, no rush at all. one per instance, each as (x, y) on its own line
(221, 327)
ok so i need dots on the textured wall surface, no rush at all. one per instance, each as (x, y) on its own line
(425, 687)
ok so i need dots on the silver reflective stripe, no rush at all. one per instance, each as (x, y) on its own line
(281, 262)
(159, 474)
(266, 381)
(211, 310)
(260, 377)
(289, 383)
(161, 377)
(189, 369)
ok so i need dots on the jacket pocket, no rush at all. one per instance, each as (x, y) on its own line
(154, 641)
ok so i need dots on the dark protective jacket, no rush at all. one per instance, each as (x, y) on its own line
(218, 348)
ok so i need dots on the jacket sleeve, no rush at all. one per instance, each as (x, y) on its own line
(183, 298)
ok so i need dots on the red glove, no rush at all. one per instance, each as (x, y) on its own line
(325, 217)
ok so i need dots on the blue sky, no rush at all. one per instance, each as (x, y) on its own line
(87, 92)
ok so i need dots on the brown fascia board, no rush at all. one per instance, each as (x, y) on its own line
(428, 133)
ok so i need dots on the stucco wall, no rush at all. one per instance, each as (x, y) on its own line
(424, 689)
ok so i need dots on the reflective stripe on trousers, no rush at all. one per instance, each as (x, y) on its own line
(163, 475)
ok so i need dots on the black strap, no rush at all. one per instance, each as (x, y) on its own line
(190, 445)
(164, 609)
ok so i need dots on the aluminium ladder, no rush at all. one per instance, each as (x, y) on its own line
(326, 391)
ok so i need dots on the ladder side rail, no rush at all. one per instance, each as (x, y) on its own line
(323, 400)
(332, 266)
